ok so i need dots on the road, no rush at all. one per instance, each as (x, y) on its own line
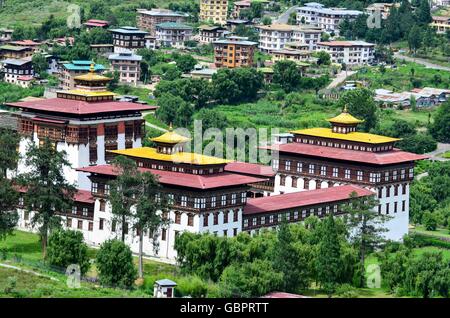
(340, 78)
(284, 17)
(423, 62)
(441, 148)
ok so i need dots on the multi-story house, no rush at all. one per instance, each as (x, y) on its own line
(441, 24)
(291, 55)
(352, 53)
(148, 19)
(171, 34)
(209, 34)
(274, 37)
(382, 8)
(5, 35)
(234, 52)
(128, 65)
(214, 11)
(322, 158)
(93, 23)
(85, 122)
(69, 71)
(128, 39)
(8, 51)
(328, 19)
(238, 6)
(19, 72)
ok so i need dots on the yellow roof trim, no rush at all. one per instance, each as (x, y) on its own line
(92, 77)
(171, 137)
(89, 93)
(345, 118)
(181, 157)
(352, 136)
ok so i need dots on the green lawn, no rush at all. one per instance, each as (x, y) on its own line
(420, 250)
(25, 244)
(438, 233)
(150, 118)
(446, 155)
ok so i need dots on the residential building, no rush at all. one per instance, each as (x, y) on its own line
(27, 44)
(238, 6)
(5, 35)
(383, 8)
(93, 23)
(85, 122)
(234, 23)
(18, 71)
(275, 36)
(441, 24)
(205, 73)
(328, 19)
(102, 49)
(352, 53)
(128, 39)
(288, 54)
(234, 52)
(8, 51)
(70, 70)
(322, 158)
(214, 11)
(209, 34)
(128, 65)
(150, 42)
(424, 97)
(148, 19)
(171, 34)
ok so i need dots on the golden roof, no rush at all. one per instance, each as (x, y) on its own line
(180, 157)
(92, 76)
(171, 137)
(83, 92)
(351, 136)
(345, 118)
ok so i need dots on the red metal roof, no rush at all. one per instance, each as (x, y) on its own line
(377, 158)
(82, 196)
(96, 23)
(25, 42)
(25, 78)
(203, 182)
(51, 121)
(302, 199)
(69, 106)
(250, 168)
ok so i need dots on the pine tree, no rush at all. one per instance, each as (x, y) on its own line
(328, 259)
(48, 192)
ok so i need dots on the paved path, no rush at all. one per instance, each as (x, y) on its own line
(28, 271)
(284, 17)
(340, 78)
(436, 154)
(421, 61)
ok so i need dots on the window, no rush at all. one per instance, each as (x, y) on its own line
(275, 164)
(327, 209)
(287, 165)
(395, 207)
(396, 190)
(235, 231)
(163, 234)
(183, 200)
(205, 219)
(347, 174)
(402, 174)
(411, 173)
(323, 170)
(177, 218)
(243, 197)
(335, 208)
(190, 219)
(224, 200)
(225, 233)
(312, 168)
(74, 210)
(233, 198)
(102, 207)
(80, 225)
(213, 202)
(254, 221)
(403, 188)
(90, 226)
(299, 167)
(216, 218)
(359, 175)
(202, 203)
(271, 219)
(235, 216)
(107, 188)
(94, 187)
(263, 220)
(69, 222)
(303, 214)
(335, 172)
(101, 224)
(196, 203)
(282, 180)
(295, 215)
(403, 205)
(394, 175)
(225, 217)
(246, 223)
(388, 191)
(113, 226)
(294, 182)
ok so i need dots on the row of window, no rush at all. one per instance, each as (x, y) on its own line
(171, 167)
(388, 207)
(395, 192)
(343, 145)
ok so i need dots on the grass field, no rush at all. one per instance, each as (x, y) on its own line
(445, 233)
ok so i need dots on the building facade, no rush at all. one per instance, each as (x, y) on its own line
(70, 70)
(234, 52)
(440, 24)
(128, 65)
(128, 39)
(148, 19)
(8, 51)
(18, 71)
(170, 34)
(352, 53)
(209, 34)
(214, 11)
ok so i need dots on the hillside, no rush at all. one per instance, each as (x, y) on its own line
(27, 12)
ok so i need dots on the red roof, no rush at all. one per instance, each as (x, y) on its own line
(283, 295)
(250, 168)
(70, 106)
(96, 23)
(25, 43)
(25, 78)
(82, 196)
(377, 158)
(212, 181)
(302, 199)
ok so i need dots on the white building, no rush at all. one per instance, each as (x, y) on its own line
(328, 19)
(352, 53)
(16, 71)
(172, 34)
(128, 65)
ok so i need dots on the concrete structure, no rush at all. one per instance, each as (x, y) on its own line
(382, 8)
(19, 72)
(328, 19)
(209, 34)
(170, 34)
(70, 70)
(214, 11)
(164, 288)
(206, 74)
(352, 53)
(128, 39)
(5, 35)
(148, 19)
(440, 24)
(15, 52)
(234, 52)
(424, 97)
(274, 37)
(238, 6)
(128, 65)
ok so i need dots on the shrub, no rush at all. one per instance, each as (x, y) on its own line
(346, 291)
(115, 264)
(66, 248)
(429, 220)
(192, 286)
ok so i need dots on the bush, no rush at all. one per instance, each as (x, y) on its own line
(429, 220)
(346, 291)
(115, 264)
(192, 286)
(66, 248)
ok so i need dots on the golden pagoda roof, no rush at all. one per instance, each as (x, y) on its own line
(180, 157)
(345, 118)
(83, 92)
(92, 76)
(170, 137)
(351, 136)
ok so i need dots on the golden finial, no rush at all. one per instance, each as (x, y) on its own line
(345, 109)
(170, 127)
(92, 68)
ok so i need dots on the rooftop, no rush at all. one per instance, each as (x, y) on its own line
(162, 12)
(202, 182)
(128, 30)
(83, 66)
(394, 156)
(173, 25)
(17, 62)
(171, 137)
(345, 118)
(351, 136)
(125, 56)
(345, 43)
(14, 48)
(180, 157)
(280, 202)
(250, 169)
(288, 27)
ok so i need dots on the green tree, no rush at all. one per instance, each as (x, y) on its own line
(287, 75)
(249, 279)
(183, 116)
(168, 106)
(414, 39)
(429, 220)
(185, 62)
(328, 259)
(8, 201)
(66, 247)
(40, 64)
(266, 20)
(361, 104)
(323, 58)
(212, 118)
(423, 12)
(439, 129)
(115, 264)
(9, 156)
(292, 18)
(47, 188)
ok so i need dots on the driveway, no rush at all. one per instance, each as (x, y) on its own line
(423, 62)
(441, 148)
(340, 78)
(284, 17)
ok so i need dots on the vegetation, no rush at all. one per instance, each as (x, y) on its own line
(440, 127)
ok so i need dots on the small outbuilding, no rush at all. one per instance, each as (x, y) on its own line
(164, 288)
